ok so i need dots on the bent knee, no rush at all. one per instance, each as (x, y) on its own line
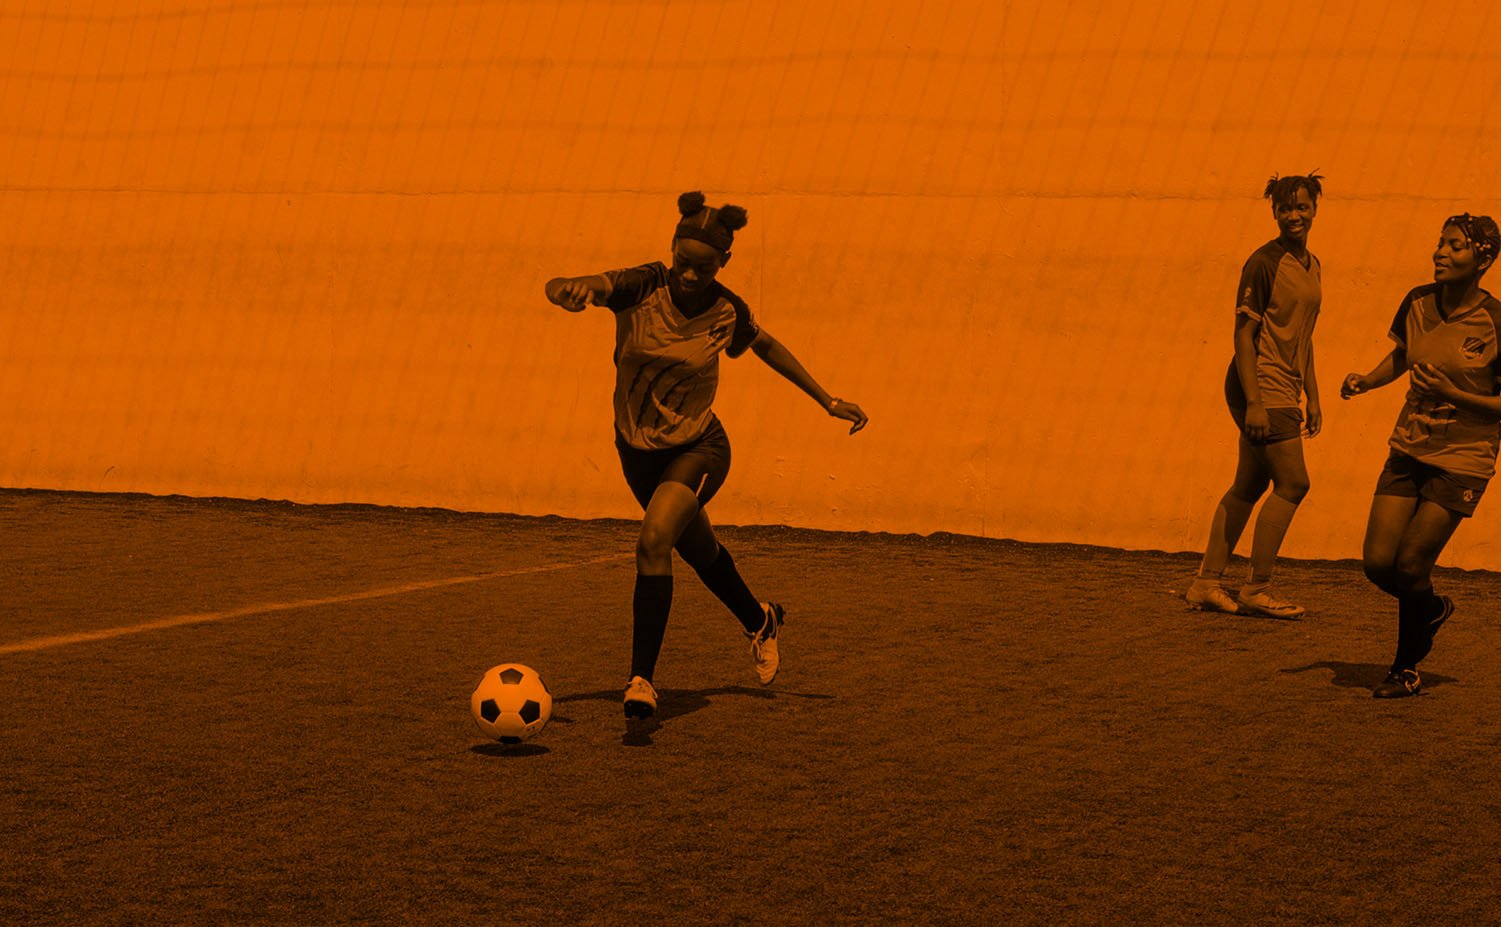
(654, 543)
(1294, 489)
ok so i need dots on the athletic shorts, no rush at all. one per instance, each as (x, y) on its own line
(701, 465)
(1409, 477)
(1286, 421)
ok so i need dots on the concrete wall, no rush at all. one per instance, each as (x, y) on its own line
(296, 250)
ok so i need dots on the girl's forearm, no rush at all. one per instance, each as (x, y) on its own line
(781, 360)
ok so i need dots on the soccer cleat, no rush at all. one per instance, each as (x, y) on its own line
(764, 650)
(1208, 595)
(1446, 610)
(1260, 602)
(640, 698)
(1398, 684)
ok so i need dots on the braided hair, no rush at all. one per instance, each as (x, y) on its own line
(714, 227)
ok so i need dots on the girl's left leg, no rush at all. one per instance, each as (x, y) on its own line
(1420, 612)
(762, 621)
(711, 560)
(1284, 461)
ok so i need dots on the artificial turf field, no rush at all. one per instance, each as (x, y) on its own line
(964, 732)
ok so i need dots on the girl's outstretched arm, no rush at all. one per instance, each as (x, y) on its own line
(576, 293)
(778, 358)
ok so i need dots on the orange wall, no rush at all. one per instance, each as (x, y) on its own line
(296, 251)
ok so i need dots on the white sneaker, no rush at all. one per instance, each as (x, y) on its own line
(1260, 602)
(1208, 595)
(764, 650)
(640, 698)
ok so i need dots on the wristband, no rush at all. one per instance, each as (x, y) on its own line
(833, 401)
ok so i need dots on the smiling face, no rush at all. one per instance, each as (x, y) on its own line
(1294, 216)
(1454, 260)
(694, 266)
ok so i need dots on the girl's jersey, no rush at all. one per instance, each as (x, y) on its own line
(1463, 346)
(1283, 297)
(667, 363)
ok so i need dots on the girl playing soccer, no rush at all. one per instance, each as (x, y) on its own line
(1272, 371)
(1443, 450)
(671, 324)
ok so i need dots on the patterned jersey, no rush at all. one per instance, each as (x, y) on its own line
(667, 363)
(1463, 346)
(1283, 296)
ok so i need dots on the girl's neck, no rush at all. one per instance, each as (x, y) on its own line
(1456, 296)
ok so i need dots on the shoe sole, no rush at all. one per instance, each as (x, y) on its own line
(640, 710)
(1211, 607)
(1397, 693)
(1248, 609)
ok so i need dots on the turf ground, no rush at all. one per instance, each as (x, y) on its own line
(964, 732)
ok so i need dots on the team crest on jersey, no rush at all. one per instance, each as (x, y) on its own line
(1472, 348)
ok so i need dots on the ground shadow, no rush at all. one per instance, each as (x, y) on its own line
(1365, 675)
(509, 751)
(677, 703)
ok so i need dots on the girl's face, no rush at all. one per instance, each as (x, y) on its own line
(694, 265)
(1454, 259)
(1295, 216)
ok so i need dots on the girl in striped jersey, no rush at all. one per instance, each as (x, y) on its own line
(1443, 450)
(1272, 371)
(671, 325)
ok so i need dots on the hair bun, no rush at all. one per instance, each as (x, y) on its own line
(732, 217)
(691, 204)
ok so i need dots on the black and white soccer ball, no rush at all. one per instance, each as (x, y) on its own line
(511, 703)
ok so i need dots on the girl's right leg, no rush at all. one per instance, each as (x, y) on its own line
(1419, 611)
(671, 508)
(1230, 519)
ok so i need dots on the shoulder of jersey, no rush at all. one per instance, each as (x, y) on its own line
(1492, 307)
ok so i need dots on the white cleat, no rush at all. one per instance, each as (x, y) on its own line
(1207, 595)
(764, 650)
(640, 698)
(1260, 602)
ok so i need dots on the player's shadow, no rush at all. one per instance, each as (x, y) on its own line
(675, 703)
(1364, 675)
(509, 751)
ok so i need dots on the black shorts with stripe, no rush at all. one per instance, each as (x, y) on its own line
(1285, 423)
(1406, 476)
(701, 465)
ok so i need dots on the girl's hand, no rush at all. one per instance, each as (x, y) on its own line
(1258, 423)
(1313, 420)
(1354, 385)
(573, 295)
(848, 411)
(1431, 383)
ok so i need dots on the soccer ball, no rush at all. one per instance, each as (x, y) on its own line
(511, 703)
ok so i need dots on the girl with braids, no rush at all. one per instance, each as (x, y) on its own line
(671, 324)
(1271, 372)
(1443, 450)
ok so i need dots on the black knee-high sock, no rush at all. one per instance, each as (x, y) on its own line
(1386, 581)
(1414, 610)
(650, 606)
(724, 581)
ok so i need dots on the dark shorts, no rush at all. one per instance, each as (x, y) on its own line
(1409, 477)
(701, 465)
(1286, 421)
